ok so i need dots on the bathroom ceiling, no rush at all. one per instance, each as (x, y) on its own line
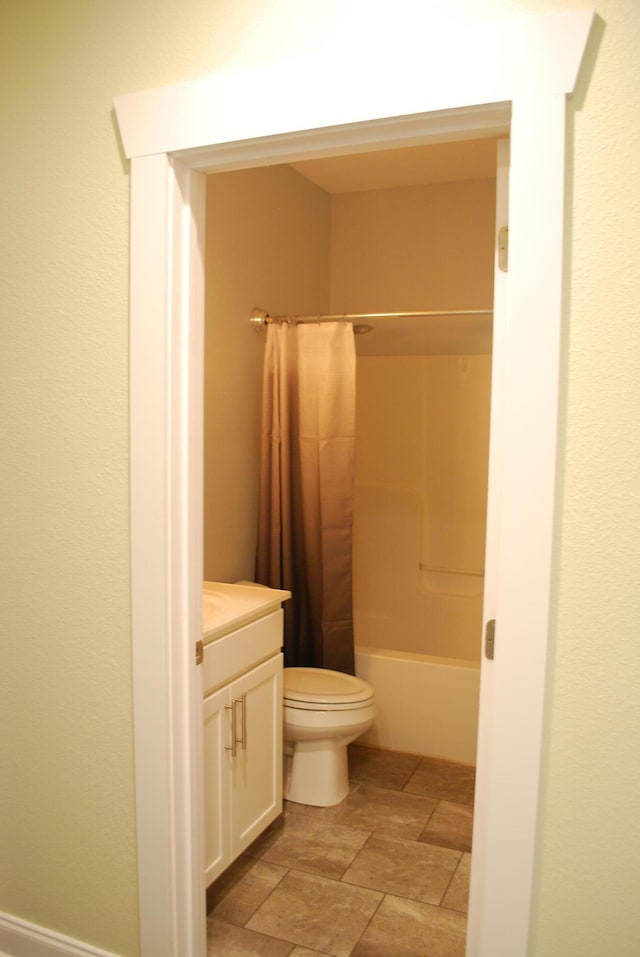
(413, 166)
(410, 166)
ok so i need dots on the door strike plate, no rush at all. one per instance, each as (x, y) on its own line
(490, 639)
(503, 249)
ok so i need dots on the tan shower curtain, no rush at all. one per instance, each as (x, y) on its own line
(306, 487)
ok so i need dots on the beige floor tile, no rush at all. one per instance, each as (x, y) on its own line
(238, 893)
(385, 811)
(225, 940)
(403, 928)
(457, 896)
(407, 844)
(313, 846)
(317, 913)
(443, 780)
(405, 868)
(450, 825)
(387, 769)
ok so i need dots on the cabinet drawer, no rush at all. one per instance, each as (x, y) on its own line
(229, 656)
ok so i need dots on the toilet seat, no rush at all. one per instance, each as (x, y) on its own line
(319, 689)
(323, 712)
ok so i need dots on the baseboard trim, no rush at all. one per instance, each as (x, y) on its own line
(19, 938)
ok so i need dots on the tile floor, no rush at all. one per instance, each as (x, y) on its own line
(383, 874)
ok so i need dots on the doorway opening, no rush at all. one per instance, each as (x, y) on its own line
(393, 230)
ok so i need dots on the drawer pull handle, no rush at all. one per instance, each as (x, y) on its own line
(243, 739)
(235, 740)
(234, 728)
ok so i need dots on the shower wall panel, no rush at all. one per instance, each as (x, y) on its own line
(422, 435)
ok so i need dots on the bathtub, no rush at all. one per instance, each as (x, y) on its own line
(426, 705)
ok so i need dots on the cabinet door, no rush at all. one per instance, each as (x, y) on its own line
(256, 775)
(217, 734)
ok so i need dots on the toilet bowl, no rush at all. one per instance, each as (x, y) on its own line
(323, 712)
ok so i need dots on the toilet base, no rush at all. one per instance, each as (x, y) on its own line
(317, 773)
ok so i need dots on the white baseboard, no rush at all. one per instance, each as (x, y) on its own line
(19, 938)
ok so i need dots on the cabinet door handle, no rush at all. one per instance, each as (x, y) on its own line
(234, 728)
(243, 739)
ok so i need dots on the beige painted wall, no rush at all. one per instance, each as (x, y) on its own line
(65, 704)
(417, 247)
(268, 233)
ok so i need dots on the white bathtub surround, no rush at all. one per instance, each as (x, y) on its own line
(426, 705)
(419, 539)
(420, 502)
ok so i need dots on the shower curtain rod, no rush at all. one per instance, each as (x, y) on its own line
(260, 318)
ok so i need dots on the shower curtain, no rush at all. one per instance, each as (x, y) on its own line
(305, 514)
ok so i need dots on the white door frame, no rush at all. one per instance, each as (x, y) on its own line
(513, 74)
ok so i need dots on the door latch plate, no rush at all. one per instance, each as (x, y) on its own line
(490, 639)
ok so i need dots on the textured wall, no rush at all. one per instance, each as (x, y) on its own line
(589, 837)
(68, 814)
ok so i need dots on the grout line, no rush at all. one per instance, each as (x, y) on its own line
(256, 909)
(426, 823)
(367, 925)
(449, 882)
(352, 861)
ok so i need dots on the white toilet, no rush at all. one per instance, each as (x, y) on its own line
(323, 712)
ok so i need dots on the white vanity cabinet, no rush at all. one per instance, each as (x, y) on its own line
(242, 681)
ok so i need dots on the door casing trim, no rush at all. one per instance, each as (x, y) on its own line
(173, 136)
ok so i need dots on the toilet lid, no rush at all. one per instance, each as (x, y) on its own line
(321, 686)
